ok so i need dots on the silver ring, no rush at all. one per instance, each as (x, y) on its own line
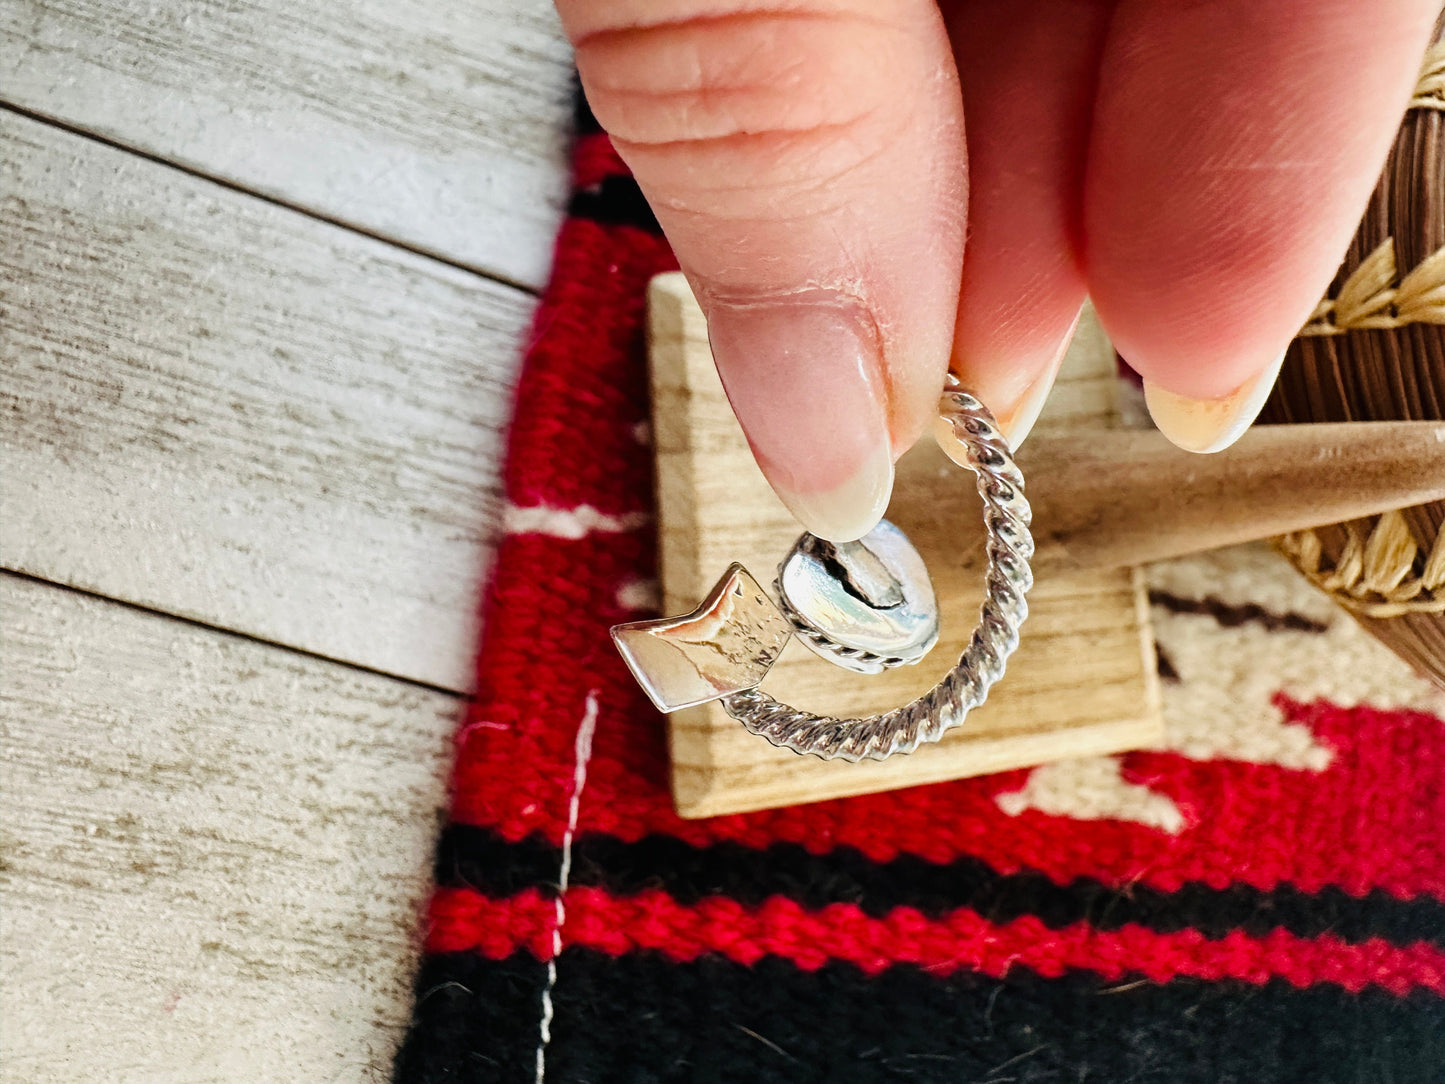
(724, 649)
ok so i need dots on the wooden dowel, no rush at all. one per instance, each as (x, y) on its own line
(1120, 497)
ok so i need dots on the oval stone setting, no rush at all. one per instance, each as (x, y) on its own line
(866, 605)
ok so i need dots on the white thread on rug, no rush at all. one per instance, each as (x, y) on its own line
(583, 749)
(570, 523)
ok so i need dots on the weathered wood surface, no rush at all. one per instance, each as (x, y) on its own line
(1083, 682)
(214, 851)
(441, 126)
(217, 408)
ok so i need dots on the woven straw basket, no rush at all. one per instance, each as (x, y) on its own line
(1374, 350)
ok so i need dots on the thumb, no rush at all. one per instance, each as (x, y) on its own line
(807, 166)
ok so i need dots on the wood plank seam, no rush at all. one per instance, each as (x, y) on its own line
(213, 854)
(445, 129)
(265, 197)
(296, 431)
(6, 572)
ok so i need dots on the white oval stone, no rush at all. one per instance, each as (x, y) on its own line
(865, 605)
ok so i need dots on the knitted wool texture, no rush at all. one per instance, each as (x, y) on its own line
(1261, 899)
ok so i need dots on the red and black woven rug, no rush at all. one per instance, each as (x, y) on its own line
(1261, 899)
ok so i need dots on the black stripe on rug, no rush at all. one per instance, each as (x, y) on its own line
(614, 201)
(1231, 616)
(584, 121)
(480, 859)
(641, 1017)
(473, 1020)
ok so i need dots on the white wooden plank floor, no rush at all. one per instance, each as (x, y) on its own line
(215, 850)
(266, 272)
(439, 126)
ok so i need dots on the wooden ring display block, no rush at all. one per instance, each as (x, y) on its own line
(1082, 683)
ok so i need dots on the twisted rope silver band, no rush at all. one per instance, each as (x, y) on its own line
(1006, 519)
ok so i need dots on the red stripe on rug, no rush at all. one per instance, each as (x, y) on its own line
(463, 920)
(576, 437)
(1370, 820)
(594, 159)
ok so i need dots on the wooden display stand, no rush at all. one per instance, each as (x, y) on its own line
(1083, 681)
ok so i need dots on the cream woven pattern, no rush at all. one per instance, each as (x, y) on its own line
(1430, 90)
(1371, 298)
(1375, 575)
(1383, 570)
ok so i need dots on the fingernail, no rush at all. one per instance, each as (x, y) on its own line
(1017, 422)
(1210, 425)
(804, 376)
(1017, 419)
(1016, 413)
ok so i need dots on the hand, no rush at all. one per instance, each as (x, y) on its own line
(1198, 168)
